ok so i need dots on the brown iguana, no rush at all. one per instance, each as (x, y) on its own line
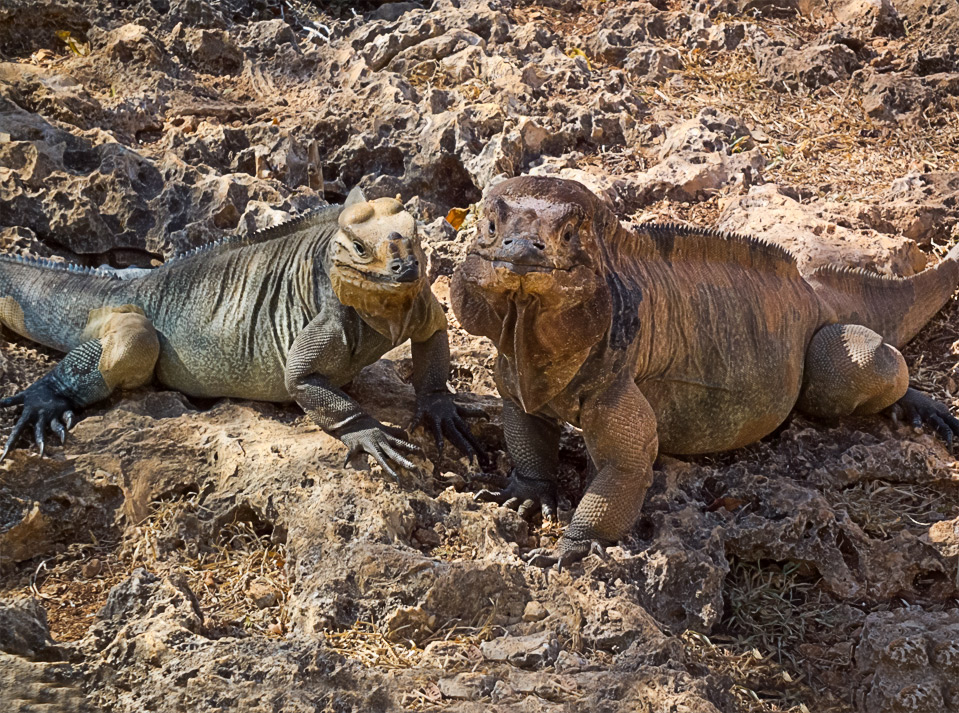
(290, 313)
(669, 339)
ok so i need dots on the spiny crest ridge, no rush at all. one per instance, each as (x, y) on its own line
(280, 230)
(58, 266)
(829, 273)
(676, 242)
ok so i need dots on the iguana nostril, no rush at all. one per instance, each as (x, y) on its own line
(539, 246)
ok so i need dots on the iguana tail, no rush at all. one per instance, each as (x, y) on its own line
(49, 302)
(895, 307)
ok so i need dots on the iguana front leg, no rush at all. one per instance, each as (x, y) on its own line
(121, 354)
(434, 403)
(319, 347)
(620, 431)
(533, 445)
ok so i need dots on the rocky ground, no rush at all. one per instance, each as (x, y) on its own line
(184, 555)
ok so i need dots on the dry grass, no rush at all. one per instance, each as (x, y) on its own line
(883, 509)
(770, 611)
(238, 577)
(821, 137)
(770, 606)
(759, 684)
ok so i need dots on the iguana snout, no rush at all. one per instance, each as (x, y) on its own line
(405, 264)
(522, 255)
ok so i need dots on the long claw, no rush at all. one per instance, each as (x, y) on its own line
(921, 410)
(396, 457)
(461, 444)
(489, 496)
(58, 428)
(549, 511)
(381, 459)
(945, 433)
(477, 449)
(38, 434)
(445, 419)
(68, 417)
(18, 428)
(596, 548)
(353, 452)
(438, 436)
(404, 444)
(528, 508)
(541, 557)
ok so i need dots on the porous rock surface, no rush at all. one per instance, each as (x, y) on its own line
(132, 131)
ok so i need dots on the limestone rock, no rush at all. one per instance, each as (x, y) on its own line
(783, 67)
(815, 233)
(910, 658)
(532, 651)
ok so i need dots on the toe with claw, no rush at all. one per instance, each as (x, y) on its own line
(446, 420)
(565, 553)
(524, 495)
(922, 411)
(43, 406)
(382, 443)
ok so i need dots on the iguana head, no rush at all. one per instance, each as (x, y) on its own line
(534, 279)
(375, 262)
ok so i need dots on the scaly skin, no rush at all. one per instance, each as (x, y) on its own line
(291, 313)
(669, 339)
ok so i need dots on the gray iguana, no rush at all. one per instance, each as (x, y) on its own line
(290, 313)
(669, 339)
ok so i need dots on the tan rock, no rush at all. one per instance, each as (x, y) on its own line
(815, 233)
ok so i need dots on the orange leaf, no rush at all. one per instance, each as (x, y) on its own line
(456, 216)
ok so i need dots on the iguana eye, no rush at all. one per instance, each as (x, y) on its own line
(492, 228)
(359, 247)
(568, 233)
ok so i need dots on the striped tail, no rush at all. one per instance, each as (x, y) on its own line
(895, 307)
(49, 302)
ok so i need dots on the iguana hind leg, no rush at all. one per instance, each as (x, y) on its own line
(120, 351)
(850, 371)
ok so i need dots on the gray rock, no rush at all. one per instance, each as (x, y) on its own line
(530, 651)
(24, 630)
(653, 64)
(783, 67)
(908, 660)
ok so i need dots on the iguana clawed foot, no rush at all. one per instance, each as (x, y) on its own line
(526, 496)
(383, 443)
(44, 405)
(920, 410)
(565, 553)
(443, 417)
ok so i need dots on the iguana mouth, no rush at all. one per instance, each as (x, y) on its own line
(403, 278)
(521, 268)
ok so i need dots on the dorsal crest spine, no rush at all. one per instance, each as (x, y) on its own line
(281, 230)
(676, 242)
(48, 264)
